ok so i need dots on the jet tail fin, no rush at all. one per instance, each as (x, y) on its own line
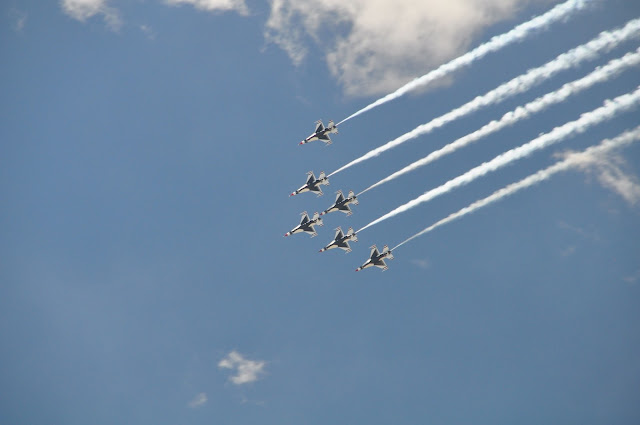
(305, 217)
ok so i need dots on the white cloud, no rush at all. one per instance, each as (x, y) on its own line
(610, 171)
(148, 31)
(633, 278)
(82, 10)
(586, 234)
(198, 401)
(19, 19)
(423, 264)
(570, 250)
(245, 370)
(374, 46)
(215, 5)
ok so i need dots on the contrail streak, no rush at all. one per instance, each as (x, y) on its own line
(586, 120)
(518, 33)
(601, 74)
(571, 161)
(605, 41)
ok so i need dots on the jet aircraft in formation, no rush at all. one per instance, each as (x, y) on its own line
(307, 225)
(341, 240)
(322, 133)
(377, 259)
(342, 203)
(313, 184)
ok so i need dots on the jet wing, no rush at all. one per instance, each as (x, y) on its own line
(345, 208)
(339, 197)
(374, 252)
(325, 138)
(319, 127)
(338, 235)
(311, 230)
(381, 263)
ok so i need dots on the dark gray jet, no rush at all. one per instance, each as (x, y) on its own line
(313, 184)
(341, 240)
(342, 203)
(377, 259)
(306, 225)
(322, 133)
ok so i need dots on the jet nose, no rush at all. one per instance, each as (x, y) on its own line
(301, 143)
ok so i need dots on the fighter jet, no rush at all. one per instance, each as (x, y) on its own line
(341, 240)
(322, 133)
(377, 259)
(313, 184)
(306, 225)
(342, 203)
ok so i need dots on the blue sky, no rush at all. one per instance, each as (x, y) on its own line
(147, 151)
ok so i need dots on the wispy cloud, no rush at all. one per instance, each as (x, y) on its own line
(570, 250)
(633, 278)
(611, 171)
(244, 370)
(422, 263)
(374, 46)
(19, 18)
(586, 234)
(215, 5)
(148, 31)
(82, 10)
(198, 401)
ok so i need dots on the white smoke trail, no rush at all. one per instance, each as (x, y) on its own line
(601, 74)
(571, 161)
(586, 120)
(561, 11)
(605, 41)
